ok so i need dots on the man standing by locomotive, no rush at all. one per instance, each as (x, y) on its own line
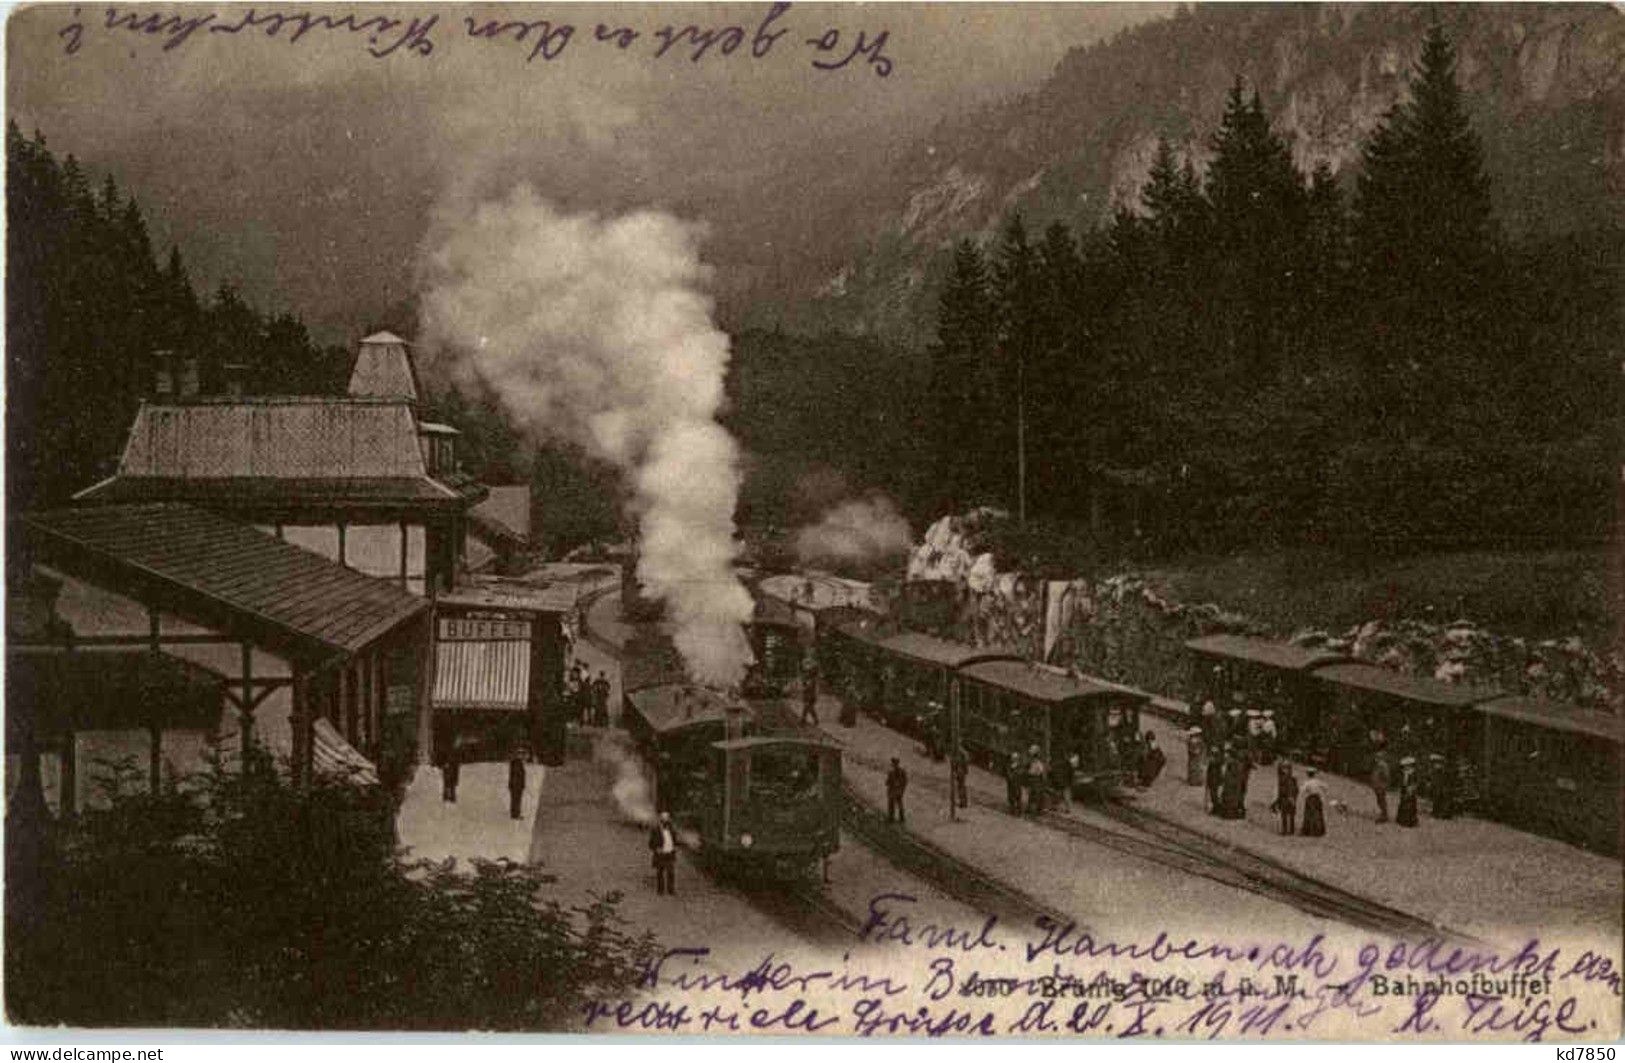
(663, 851)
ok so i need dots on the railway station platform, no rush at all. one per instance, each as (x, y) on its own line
(477, 824)
(1465, 874)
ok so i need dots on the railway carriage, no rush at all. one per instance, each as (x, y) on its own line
(1555, 769)
(849, 653)
(776, 642)
(1266, 675)
(1417, 716)
(920, 679)
(1009, 706)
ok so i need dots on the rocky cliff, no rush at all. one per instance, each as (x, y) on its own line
(1545, 85)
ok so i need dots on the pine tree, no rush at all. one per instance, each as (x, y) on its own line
(1423, 207)
(1425, 256)
(1019, 284)
(962, 367)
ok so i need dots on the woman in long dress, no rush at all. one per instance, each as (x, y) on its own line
(1195, 758)
(1407, 793)
(1314, 806)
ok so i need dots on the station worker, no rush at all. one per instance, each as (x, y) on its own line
(896, 784)
(1380, 778)
(663, 850)
(516, 783)
(959, 764)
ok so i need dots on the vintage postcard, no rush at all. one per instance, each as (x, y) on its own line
(822, 520)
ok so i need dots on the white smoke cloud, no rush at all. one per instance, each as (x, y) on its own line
(632, 790)
(858, 531)
(595, 330)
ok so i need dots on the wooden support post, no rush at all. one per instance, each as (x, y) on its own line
(68, 777)
(246, 714)
(299, 715)
(425, 693)
(154, 732)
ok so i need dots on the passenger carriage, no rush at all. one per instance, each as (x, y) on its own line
(1414, 715)
(848, 651)
(1007, 707)
(919, 680)
(1266, 675)
(776, 643)
(1552, 768)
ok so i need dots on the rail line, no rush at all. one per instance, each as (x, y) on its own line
(1155, 839)
(940, 869)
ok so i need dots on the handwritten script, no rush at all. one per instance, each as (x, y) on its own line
(381, 35)
(1050, 978)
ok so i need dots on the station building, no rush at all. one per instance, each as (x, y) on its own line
(146, 637)
(357, 478)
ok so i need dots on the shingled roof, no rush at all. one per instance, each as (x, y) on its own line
(222, 573)
(298, 448)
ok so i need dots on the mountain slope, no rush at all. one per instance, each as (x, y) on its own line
(1545, 85)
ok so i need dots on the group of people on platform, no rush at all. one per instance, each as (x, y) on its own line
(586, 698)
(1223, 750)
(1030, 780)
(451, 774)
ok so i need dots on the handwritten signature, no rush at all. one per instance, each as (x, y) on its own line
(1057, 978)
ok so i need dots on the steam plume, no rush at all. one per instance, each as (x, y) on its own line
(595, 331)
(632, 792)
(858, 531)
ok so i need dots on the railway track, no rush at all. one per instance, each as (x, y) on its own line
(1149, 837)
(803, 908)
(939, 868)
(1174, 845)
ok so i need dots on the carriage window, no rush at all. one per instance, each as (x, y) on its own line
(784, 774)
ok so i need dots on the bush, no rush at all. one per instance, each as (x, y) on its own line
(246, 903)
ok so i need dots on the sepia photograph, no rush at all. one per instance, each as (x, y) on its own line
(1034, 522)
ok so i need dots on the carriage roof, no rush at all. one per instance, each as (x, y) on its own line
(932, 650)
(668, 707)
(759, 741)
(770, 610)
(1282, 655)
(863, 629)
(1041, 684)
(1556, 716)
(1409, 688)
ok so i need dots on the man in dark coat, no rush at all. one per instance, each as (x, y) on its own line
(1215, 780)
(663, 852)
(516, 784)
(600, 700)
(1014, 773)
(896, 784)
(451, 770)
(959, 764)
(1286, 797)
(809, 694)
